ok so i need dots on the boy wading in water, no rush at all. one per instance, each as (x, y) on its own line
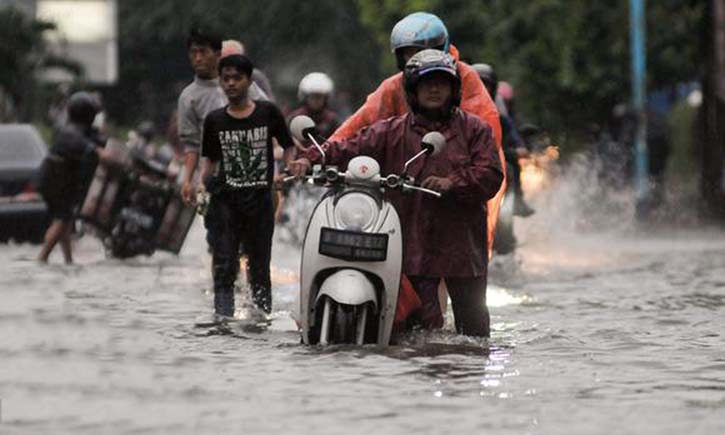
(237, 171)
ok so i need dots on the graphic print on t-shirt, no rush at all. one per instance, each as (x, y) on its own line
(245, 157)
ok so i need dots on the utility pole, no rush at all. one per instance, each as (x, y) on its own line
(719, 48)
(713, 148)
(637, 26)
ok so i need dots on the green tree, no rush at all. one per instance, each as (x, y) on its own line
(285, 39)
(25, 54)
(569, 59)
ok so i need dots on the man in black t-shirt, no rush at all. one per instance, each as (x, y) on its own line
(238, 172)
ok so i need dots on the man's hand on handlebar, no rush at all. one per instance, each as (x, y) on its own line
(280, 180)
(299, 167)
(439, 184)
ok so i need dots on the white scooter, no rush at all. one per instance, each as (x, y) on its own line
(353, 248)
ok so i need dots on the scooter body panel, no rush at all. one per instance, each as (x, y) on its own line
(384, 276)
(349, 287)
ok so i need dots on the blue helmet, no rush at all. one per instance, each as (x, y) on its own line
(419, 29)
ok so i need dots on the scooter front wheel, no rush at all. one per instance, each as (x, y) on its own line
(343, 324)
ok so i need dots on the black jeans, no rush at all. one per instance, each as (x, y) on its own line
(468, 299)
(514, 174)
(234, 218)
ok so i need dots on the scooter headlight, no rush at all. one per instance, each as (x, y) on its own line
(356, 211)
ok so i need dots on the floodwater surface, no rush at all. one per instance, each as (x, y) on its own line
(593, 332)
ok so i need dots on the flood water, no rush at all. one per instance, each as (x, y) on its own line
(615, 331)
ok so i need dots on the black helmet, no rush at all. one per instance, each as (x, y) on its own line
(426, 62)
(488, 77)
(82, 108)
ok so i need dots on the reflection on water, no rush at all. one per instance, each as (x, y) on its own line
(596, 334)
(499, 297)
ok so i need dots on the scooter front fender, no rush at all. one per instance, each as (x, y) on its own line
(349, 287)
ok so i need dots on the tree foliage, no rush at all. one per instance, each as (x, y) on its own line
(568, 59)
(285, 39)
(24, 54)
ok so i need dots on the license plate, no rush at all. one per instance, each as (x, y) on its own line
(353, 246)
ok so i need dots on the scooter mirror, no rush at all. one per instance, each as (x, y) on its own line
(433, 143)
(299, 126)
(303, 129)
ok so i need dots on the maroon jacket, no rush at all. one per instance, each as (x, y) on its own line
(442, 237)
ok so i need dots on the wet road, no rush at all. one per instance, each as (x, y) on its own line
(614, 332)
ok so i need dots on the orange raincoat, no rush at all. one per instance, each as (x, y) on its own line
(389, 100)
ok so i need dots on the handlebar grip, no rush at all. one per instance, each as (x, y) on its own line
(423, 189)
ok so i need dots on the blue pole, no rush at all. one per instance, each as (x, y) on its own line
(639, 89)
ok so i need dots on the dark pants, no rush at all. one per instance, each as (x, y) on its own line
(235, 218)
(513, 173)
(468, 298)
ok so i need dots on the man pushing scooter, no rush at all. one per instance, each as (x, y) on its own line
(442, 236)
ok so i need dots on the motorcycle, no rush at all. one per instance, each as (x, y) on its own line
(537, 169)
(353, 248)
(504, 241)
(134, 207)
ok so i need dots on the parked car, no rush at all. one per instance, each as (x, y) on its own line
(23, 214)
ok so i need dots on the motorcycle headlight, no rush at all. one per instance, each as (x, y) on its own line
(356, 211)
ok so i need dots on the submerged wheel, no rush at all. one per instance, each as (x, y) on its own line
(343, 324)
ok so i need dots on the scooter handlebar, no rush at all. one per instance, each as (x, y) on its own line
(331, 175)
(320, 175)
(421, 189)
(405, 184)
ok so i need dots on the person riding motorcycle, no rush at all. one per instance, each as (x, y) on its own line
(415, 32)
(514, 146)
(441, 236)
(314, 93)
(505, 99)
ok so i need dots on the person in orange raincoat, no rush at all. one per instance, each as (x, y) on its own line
(413, 33)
